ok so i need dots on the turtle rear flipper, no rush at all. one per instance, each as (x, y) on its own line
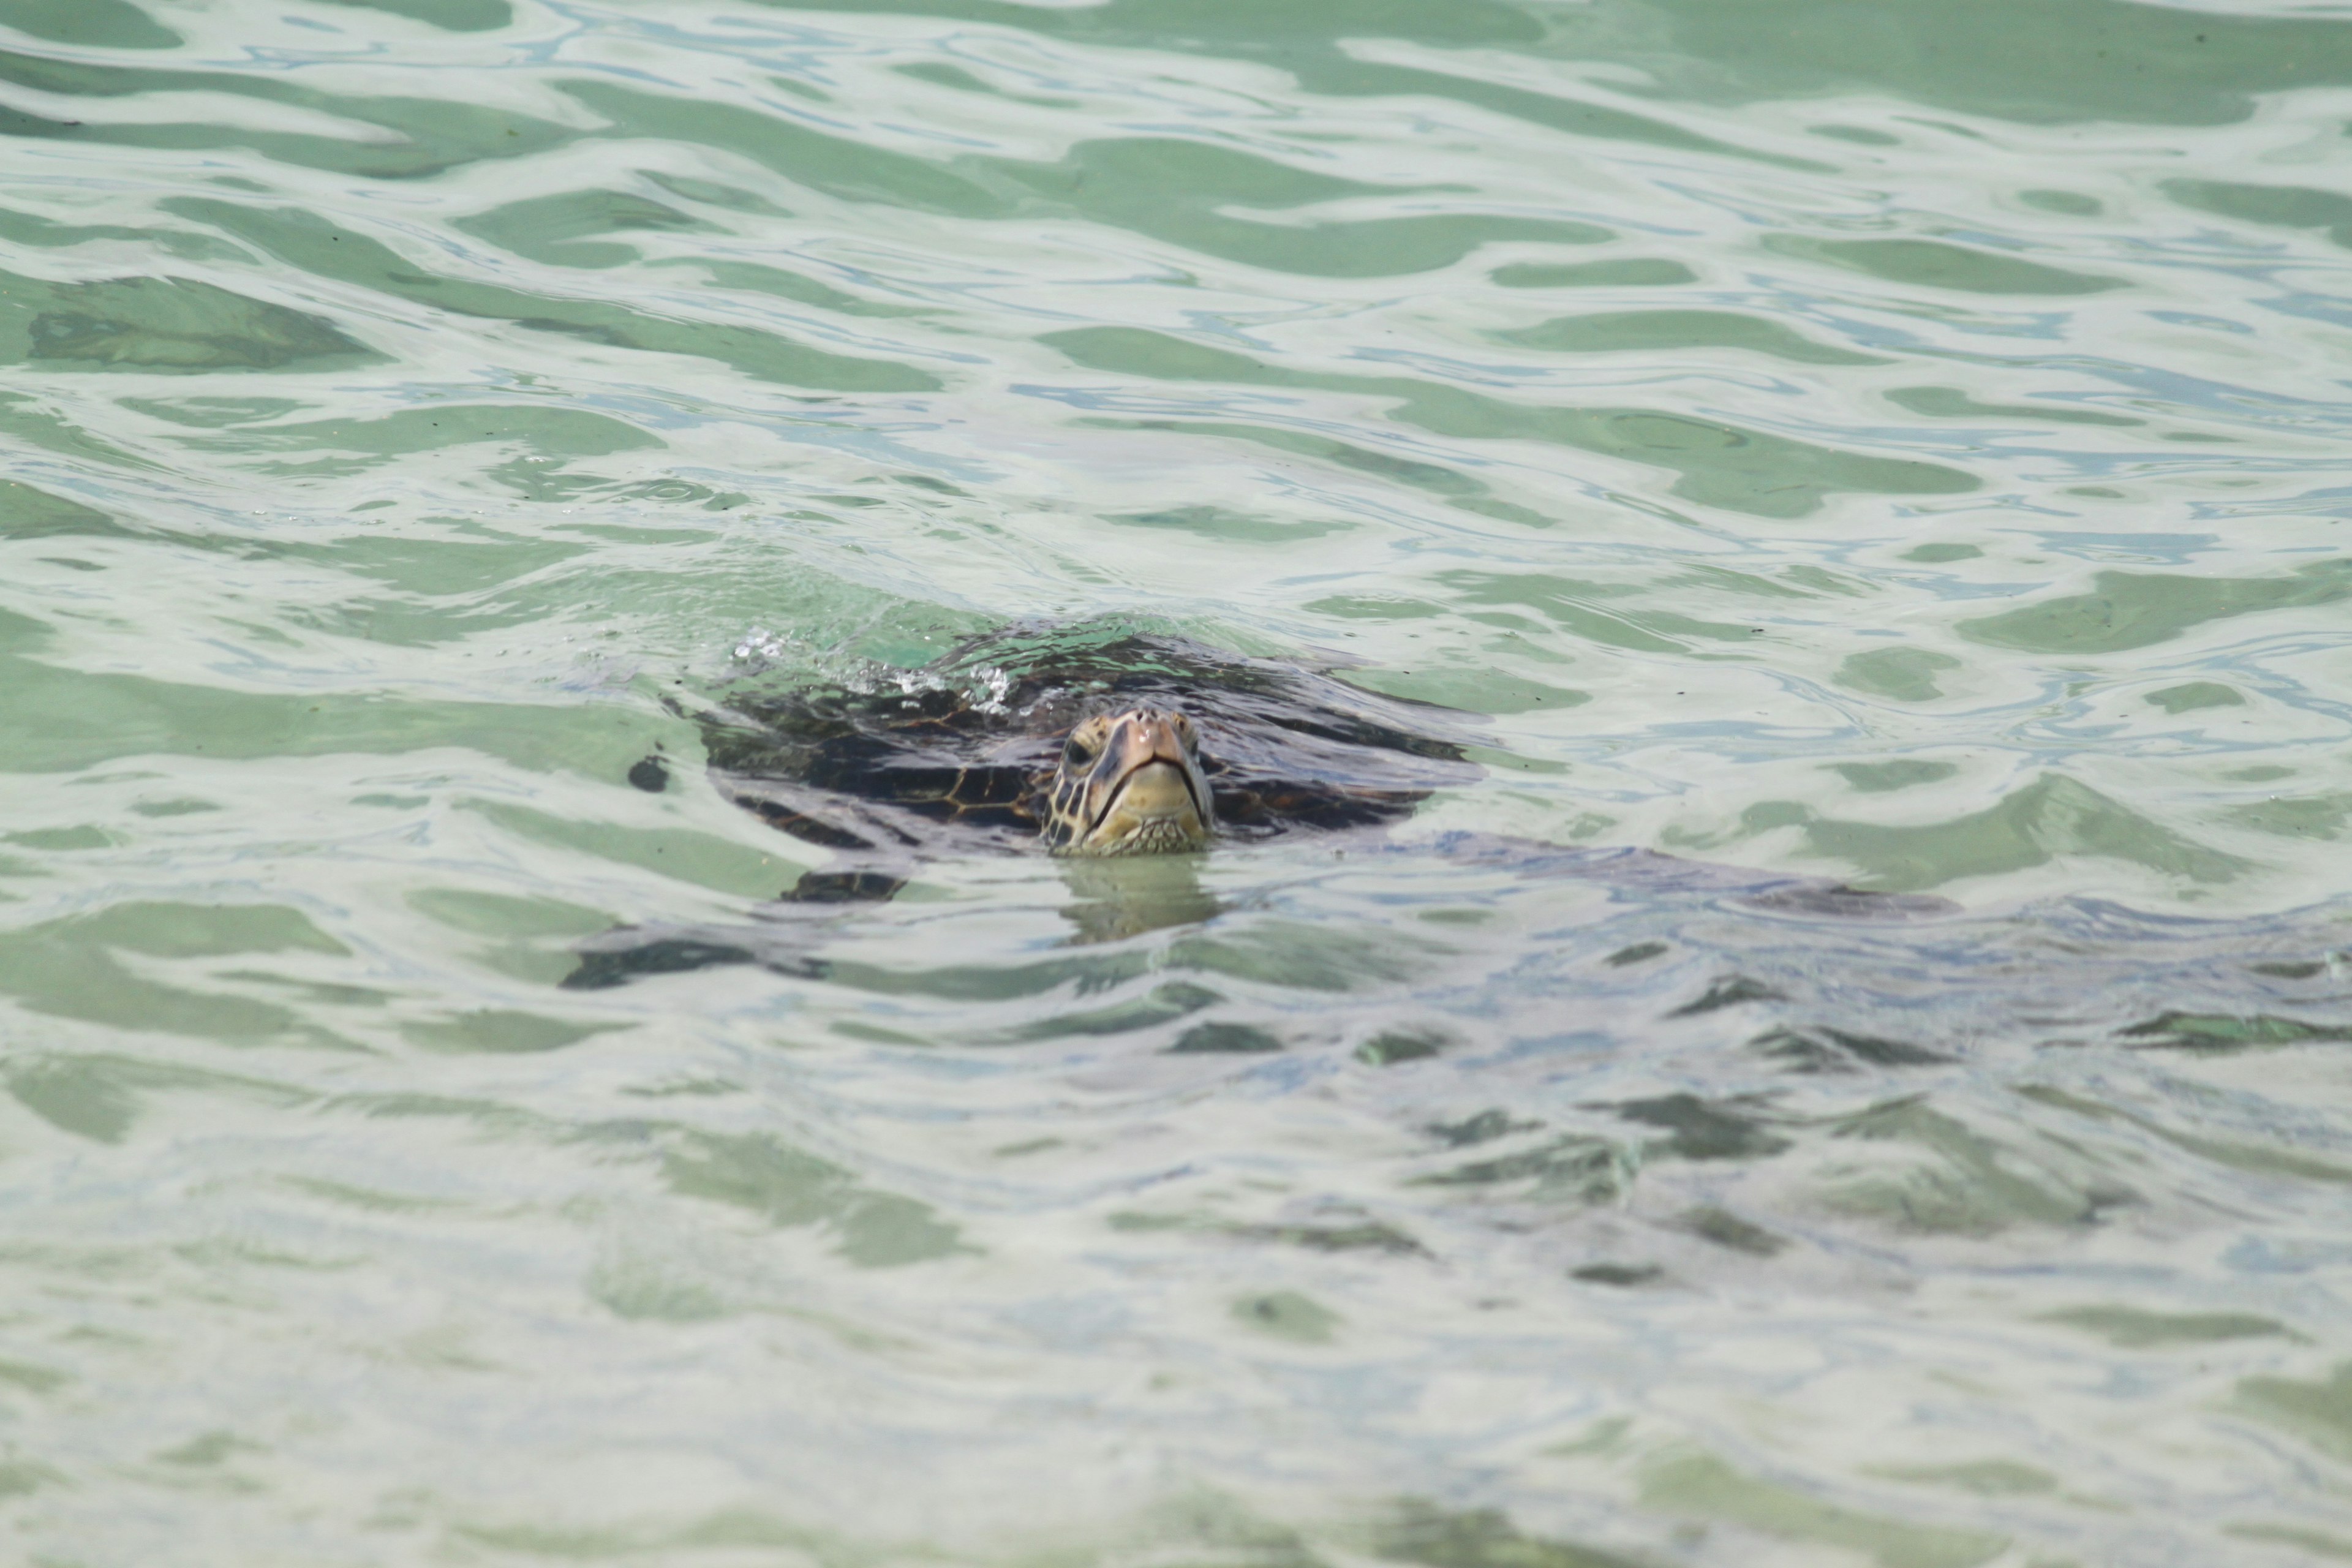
(1654, 872)
(1841, 901)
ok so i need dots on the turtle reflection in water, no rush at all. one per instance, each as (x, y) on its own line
(1115, 751)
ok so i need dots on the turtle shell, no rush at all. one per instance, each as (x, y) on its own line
(957, 752)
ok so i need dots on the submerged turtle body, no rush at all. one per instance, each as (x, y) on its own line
(998, 744)
(974, 752)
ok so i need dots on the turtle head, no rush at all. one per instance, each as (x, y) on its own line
(1128, 783)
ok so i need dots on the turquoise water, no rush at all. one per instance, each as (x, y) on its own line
(1901, 443)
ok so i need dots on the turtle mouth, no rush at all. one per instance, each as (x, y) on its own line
(1155, 806)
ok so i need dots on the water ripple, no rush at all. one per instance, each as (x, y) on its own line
(1887, 443)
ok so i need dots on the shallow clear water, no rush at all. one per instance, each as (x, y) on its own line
(1900, 442)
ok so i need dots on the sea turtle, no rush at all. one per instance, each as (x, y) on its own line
(1076, 742)
(1097, 743)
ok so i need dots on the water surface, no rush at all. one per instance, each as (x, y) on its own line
(1898, 443)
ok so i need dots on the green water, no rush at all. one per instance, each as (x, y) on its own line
(1901, 442)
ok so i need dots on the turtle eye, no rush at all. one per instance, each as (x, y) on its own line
(1076, 749)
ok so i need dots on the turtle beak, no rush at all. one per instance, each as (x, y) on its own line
(1147, 789)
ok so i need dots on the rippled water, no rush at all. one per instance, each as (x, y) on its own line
(1896, 442)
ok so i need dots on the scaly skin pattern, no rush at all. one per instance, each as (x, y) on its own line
(1128, 783)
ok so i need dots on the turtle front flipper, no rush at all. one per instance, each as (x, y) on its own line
(875, 852)
(800, 823)
(852, 884)
(783, 935)
(626, 953)
(862, 884)
(602, 965)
